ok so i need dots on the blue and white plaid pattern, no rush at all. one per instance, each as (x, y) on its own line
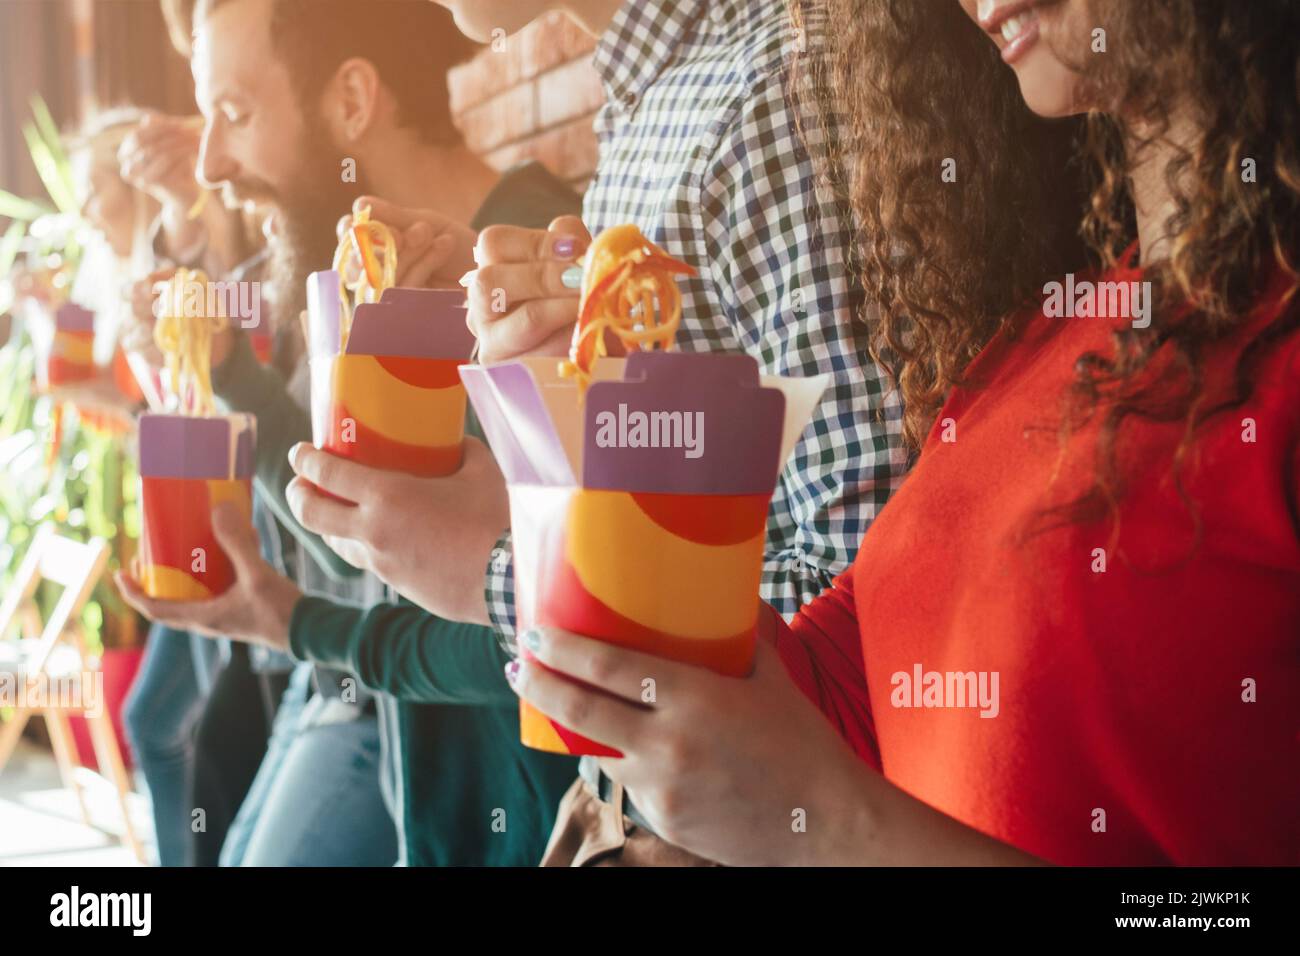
(701, 148)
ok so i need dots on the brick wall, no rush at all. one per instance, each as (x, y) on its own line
(532, 96)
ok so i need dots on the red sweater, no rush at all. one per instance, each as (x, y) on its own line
(1121, 735)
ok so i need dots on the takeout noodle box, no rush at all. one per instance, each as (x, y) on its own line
(639, 514)
(187, 466)
(64, 342)
(392, 397)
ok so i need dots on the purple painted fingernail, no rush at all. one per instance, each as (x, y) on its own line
(512, 672)
(564, 248)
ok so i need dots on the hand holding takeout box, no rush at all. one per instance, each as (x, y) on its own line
(384, 387)
(639, 515)
(639, 487)
(190, 461)
(390, 396)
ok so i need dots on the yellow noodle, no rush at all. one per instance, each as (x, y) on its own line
(361, 289)
(186, 343)
(613, 313)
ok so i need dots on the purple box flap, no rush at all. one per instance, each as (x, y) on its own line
(672, 423)
(181, 446)
(323, 313)
(517, 424)
(425, 299)
(73, 318)
(413, 323)
(683, 423)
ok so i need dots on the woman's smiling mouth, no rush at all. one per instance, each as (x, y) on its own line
(1013, 25)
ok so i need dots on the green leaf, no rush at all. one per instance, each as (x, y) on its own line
(10, 244)
(49, 131)
(47, 167)
(16, 207)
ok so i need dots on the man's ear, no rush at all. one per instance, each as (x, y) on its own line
(352, 100)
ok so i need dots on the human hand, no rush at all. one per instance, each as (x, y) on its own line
(432, 250)
(256, 609)
(721, 766)
(428, 538)
(743, 771)
(159, 157)
(523, 297)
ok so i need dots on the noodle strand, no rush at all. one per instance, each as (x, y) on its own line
(625, 276)
(186, 342)
(373, 276)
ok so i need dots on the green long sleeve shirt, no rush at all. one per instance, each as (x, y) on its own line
(472, 794)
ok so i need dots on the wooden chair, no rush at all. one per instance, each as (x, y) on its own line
(59, 656)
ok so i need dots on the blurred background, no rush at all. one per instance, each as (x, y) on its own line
(78, 55)
(62, 62)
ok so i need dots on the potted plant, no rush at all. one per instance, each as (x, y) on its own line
(57, 462)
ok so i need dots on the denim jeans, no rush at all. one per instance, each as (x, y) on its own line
(283, 733)
(160, 715)
(317, 799)
(229, 745)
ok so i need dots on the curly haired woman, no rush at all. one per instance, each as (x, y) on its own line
(1079, 620)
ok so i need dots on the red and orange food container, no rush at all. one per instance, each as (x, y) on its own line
(64, 341)
(639, 512)
(385, 392)
(188, 465)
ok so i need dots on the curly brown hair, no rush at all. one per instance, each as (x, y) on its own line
(916, 80)
(914, 83)
(1232, 70)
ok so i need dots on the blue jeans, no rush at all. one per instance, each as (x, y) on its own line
(160, 715)
(316, 800)
(283, 733)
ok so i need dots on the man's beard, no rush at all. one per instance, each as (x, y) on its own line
(307, 216)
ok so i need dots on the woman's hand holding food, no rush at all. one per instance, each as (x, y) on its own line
(523, 297)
